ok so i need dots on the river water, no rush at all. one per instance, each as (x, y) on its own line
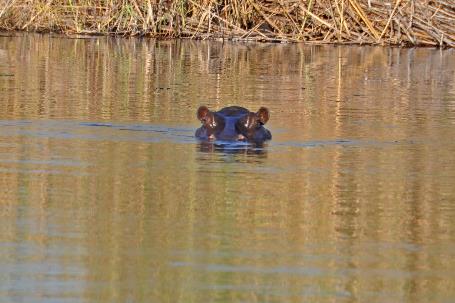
(106, 196)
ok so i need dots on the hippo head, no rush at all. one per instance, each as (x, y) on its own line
(251, 126)
(233, 123)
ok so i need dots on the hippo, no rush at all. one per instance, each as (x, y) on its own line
(233, 123)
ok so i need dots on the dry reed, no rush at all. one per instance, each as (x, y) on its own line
(398, 22)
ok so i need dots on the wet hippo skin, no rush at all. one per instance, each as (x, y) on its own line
(233, 123)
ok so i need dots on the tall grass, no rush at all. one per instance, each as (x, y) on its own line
(395, 22)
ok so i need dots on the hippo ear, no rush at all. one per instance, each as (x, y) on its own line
(263, 115)
(202, 113)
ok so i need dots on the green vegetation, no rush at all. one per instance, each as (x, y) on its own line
(398, 22)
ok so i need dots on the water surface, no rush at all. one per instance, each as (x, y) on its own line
(105, 195)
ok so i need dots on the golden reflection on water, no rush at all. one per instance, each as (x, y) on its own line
(351, 201)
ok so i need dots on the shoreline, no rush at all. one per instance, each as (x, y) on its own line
(83, 36)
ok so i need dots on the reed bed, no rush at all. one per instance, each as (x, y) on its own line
(398, 22)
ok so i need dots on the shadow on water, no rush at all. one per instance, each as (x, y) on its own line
(97, 131)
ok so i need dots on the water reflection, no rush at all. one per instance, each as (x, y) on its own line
(226, 147)
(107, 196)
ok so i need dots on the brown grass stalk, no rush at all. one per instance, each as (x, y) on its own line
(410, 22)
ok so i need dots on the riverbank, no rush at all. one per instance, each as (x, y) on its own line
(402, 22)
